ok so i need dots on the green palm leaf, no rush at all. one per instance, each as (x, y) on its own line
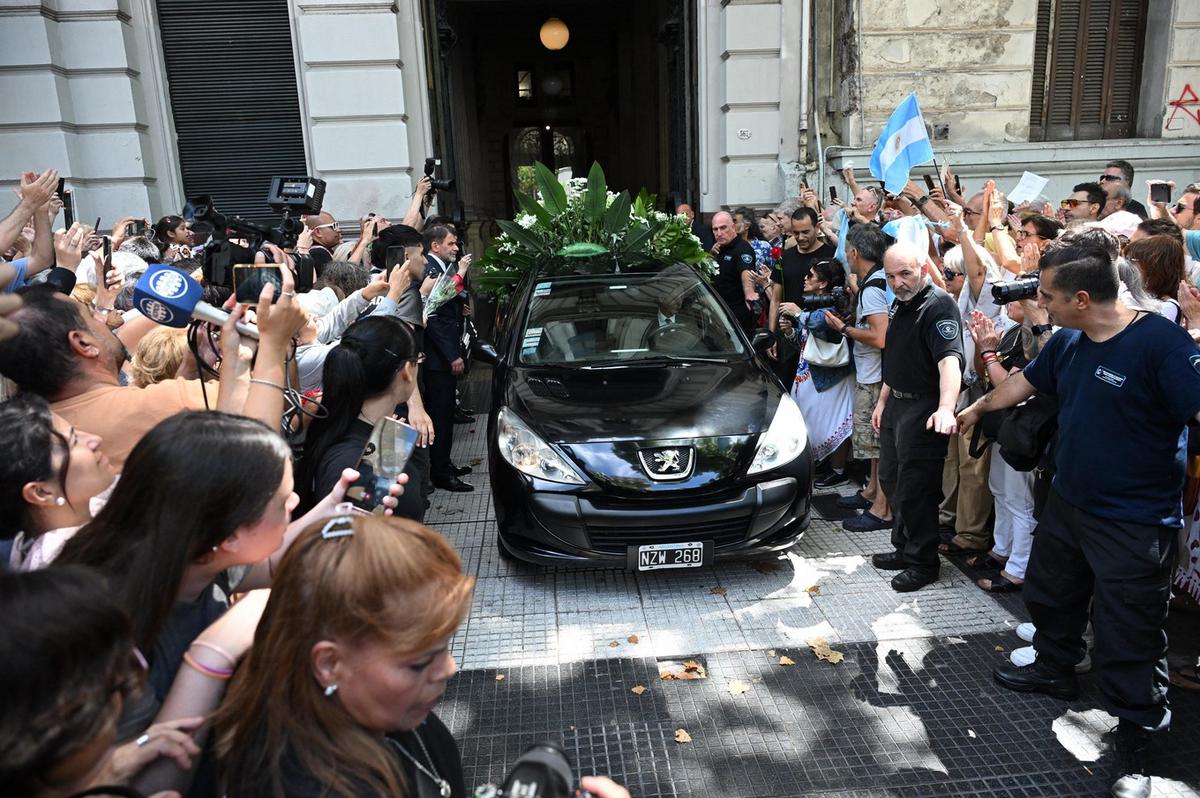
(617, 216)
(596, 200)
(522, 236)
(553, 194)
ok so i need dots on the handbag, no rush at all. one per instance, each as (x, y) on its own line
(818, 352)
(1023, 433)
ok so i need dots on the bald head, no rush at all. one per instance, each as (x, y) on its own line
(722, 227)
(324, 229)
(903, 265)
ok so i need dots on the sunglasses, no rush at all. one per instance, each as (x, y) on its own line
(1110, 179)
(323, 226)
(950, 274)
(1070, 203)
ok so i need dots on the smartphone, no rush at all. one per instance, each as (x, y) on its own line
(1160, 192)
(833, 193)
(106, 250)
(383, 459)
(65, 196)
(958, 186)
(137, 227)
(250, 279)
(96, 226)
(928, 183)
(394, 256)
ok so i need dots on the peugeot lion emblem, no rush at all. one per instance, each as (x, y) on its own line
(667, 463)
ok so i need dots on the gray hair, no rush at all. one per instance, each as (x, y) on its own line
(143, 247)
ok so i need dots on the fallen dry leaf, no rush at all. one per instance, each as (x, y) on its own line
(718, 591)
(999, 648)
(785, 660)
(499, 677)
(823, 652)
(613, 644)
(633, 639)
(475, 461)
(771, 653)
(737, 688)
(682, 737)
(815, 590)
(638, 690)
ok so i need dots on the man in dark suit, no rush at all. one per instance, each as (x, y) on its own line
(443, 359)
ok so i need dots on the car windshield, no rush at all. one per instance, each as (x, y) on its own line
(613, 319)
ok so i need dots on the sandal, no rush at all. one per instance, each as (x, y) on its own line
(986, 562)
(1185, 679)
(954, 548)
(999, 584)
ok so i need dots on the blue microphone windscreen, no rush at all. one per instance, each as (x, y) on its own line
(166, 295)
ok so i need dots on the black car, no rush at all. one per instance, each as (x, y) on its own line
(633, 424)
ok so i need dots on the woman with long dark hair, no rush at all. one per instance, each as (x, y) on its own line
(201, 511)
(49, 477)
(371, 371)
(67, 664)
(173, 237)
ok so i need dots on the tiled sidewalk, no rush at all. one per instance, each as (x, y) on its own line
(911, 710)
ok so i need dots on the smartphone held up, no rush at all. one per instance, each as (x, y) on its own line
(250, 279)
(383, 459)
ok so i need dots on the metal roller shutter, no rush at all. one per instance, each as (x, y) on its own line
(232, 80)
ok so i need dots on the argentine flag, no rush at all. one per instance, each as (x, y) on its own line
(902, 145)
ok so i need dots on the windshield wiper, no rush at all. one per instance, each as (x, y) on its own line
(656, 360)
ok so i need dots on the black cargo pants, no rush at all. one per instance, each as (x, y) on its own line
(1124, 569)
(911, 459)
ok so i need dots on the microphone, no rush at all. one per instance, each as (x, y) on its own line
(169, 297)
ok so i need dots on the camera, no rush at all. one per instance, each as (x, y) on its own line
(289, 196)
(438, 183)
(543, 771)
(1016, 290)
(837, 298)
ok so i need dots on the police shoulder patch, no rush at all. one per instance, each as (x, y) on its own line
(948, 329)
(747, 258)
(1195, 360)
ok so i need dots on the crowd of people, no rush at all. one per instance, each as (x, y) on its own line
(194, 607)
(986, 364)
(158, 481)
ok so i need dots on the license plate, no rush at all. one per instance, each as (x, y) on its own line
(670, 555)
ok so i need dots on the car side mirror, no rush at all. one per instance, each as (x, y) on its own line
(762, 341)
(485, 353)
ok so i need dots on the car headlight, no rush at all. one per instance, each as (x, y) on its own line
(783, 441)
(522, 449)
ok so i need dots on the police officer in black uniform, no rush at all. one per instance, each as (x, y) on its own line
(922, 372)
(734, 282)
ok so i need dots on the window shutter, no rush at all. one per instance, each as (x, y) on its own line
(1090, 52)
(1041, 49)
(231, 76)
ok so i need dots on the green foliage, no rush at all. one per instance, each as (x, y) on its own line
(584, 228)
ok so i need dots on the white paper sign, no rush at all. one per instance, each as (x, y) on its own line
(1030, 186)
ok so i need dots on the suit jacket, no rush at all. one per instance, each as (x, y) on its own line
(444, 329)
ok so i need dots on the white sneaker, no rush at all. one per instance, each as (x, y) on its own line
(1026, 655)
(1026, 632)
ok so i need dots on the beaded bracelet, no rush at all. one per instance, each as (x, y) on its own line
(212, 673)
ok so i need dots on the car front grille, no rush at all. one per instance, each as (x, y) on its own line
(615, 539)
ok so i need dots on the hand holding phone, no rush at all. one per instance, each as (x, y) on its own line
(383, 459)
(928, 183)
(1160, 192)
(249, 280)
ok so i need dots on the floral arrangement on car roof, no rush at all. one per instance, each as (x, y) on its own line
(583, 226)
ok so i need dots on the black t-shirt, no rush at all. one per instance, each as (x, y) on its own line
(447, 763)
(794, 266)
(1137, 208)
(921, 332)
(734, 258)
(345, 454)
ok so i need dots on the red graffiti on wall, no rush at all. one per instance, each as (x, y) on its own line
(1187, 102)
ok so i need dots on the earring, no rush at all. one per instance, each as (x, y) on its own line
(60, 501)
(330, 690)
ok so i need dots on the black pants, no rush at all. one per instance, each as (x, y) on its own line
(911, 459)
(439, 404)
(1124, 569)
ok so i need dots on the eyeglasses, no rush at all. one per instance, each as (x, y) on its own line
(1110, 178)
(1070, 203)
(950, 274)
(322, 226)
(969, 212)
(1179, 207)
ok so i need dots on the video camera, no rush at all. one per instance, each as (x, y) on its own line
(1016, 290)
(293, 197)
(438, 184)
(543, 771)
(836, 298)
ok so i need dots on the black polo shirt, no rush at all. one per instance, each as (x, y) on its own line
(921, 332)
(794, 266)
(734, 258)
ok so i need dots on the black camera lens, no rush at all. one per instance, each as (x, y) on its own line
(1016, 290)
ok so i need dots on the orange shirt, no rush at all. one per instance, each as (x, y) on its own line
(121, 416)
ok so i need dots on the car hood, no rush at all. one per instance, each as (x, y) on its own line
(657, 401)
